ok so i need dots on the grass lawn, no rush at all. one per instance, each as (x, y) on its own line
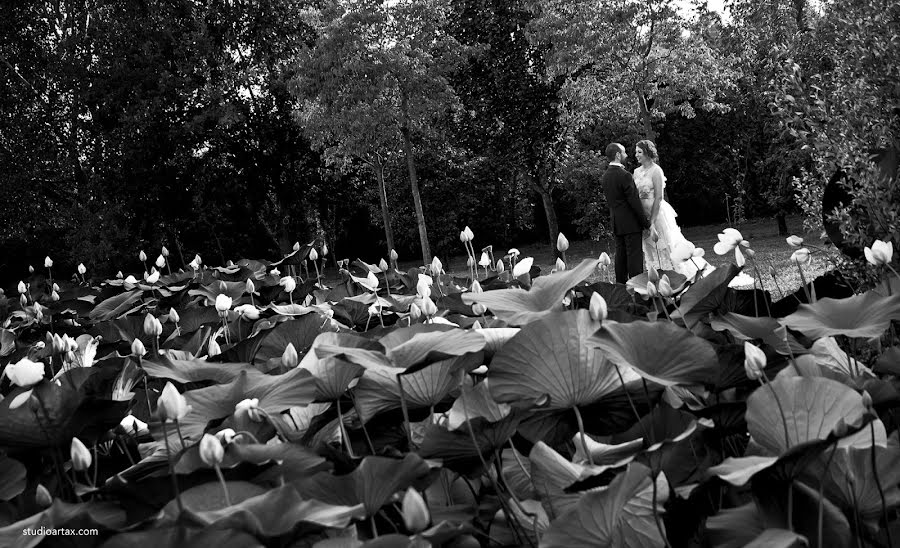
(770, 248)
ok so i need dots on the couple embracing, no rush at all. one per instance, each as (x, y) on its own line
(642, 221)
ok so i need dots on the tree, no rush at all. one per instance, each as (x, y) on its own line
(379, 71)
(633, 59)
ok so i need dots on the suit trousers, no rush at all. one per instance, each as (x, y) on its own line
(629, 256)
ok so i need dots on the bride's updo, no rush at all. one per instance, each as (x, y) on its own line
(649, 149)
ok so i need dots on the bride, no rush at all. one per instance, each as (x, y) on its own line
(664, 234)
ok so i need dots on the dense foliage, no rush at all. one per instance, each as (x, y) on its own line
(239, 406)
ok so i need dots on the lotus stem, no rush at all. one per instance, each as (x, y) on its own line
(584, 445)
(172, 470)
(180, 437)
(407, 427)
(344, 437)
(806, 291)
(884, 513)
(318, 275)
(518, 460)
(224, 485)
(821, 490)
(498, 464)
(662, 533)
(790, 508)
(96, 469)
(637, 415)
(856, 526)
(761, 287)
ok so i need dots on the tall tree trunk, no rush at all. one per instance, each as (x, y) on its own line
(538, 183)
(378, 167)
(645, 116)
(413, 180)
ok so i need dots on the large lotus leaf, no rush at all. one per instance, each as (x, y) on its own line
(550, 357)
(19, 427)
(867, 316)
(850, 479)
(520, 307)
(552, 475)
(774, 500)
(169, 366)
(476, 402)
(191, 318)
(621, 515)
(638, 283)
(617, 298)
(827, 353)
(812, 406)
(426, 348)
(300, 331)
(333, 376)
(517, 474)
(12, 478)
(778, 538)
(276, 393)
(335, 341)
(659, 351)
(7, 342)
(456, 449)
(60, 513)
(764, 328)
(232, 289)
(738, 471)
(735, 527)
(372, 483)
(707, 295)
(496, 337)
(125, 329)
(114, 307)
(295, 423)
(378, 389)
(275, 513)
(607, 454)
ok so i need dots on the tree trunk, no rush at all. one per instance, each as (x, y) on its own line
(645, 116)
(549, 210)
(413, 180)
(385, 212)
(780, 217)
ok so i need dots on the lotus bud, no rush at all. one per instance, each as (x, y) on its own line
(48, 262)
(30, 269)
(289, 358)
(469, 234)
(23, 300)
(55, 287)
(750, 253)
(152, 326)
(665, 287)
(153, 277)
(598, 308)
(754, 361)
(522, 267)
(211, 451)
(513, 252)
(249, 286)
(324, 249)
(82, 269)
(142, 256)
(880, 253)
(653, 275)
(562, 243)
(275, 272)
(470, 262)
(794, 241)
(70, 344)
(652, 292)
(801, 256)
(173, 316)
(213, 349)
(415, 512)
(250, 407)
(485, 261)
(699, 252)
(372, 281)
(248, 312)
(57, 344)
(42, 496)
(288, 283)
(313, 255)
(81, 457)
(479, 309)
(560, 264)
(394, 255)
(171, 406)
(54, 297)
(160, 261)
(194, 265)
(223, 304)
(131, 280)
(604, 259)
(476, 288)
(164, 251)
(119, 275)
(414, 312)
(500, 266)
(436, 267)
(382, 264)
(21, 287)
(226, 435)
(462, 236)
(137, 348)
(25, 373)
(423, 289)
(428, 307)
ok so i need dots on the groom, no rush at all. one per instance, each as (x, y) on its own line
(627, 214)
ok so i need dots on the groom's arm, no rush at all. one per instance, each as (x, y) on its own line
(634, 201)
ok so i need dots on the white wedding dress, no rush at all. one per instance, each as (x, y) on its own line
(657, 254)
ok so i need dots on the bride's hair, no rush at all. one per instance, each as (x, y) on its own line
(649, 149)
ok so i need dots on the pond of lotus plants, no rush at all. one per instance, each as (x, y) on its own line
(254, 405)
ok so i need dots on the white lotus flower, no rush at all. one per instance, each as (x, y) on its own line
(25, 373)
(880, 253)
(523, 267)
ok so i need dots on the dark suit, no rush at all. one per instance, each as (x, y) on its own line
(628, 221)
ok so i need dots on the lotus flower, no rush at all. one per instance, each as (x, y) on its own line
(428, 307)
(469, 234)
(382, 265)
(160, 261)
(173, 316)
(25, 373)
(560, 264)
(211, 451)
(500, 266)
(324, 249)
(289, 358)
(275, 272)
(423, 288)
(248, 311)
(153, 277)
(42, 496)
(684, 251)
(415, 512)
(171, 405)
(223, 304)
(137, 348)
(152, 326)
(226, 435)
(485, 261)
(463, 237)
(436, 266)
(48, 262)
(522, 267)
(31, 269)
(598, 307)
(82, 269)
(754, 361)
(562, 243)
(249, 407)
(22, 287)
(414, 312)
(288, 283)
(880, 253)
(604, 259)
(665, 287)
(514, 253)
(164, 251)
(313, 254)
(794, 241)
(81, 457)
(296, 246)
(801, 256)
(729, 240)
(250, 287)
(213, 349)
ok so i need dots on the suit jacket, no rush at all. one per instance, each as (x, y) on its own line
(625, 207)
